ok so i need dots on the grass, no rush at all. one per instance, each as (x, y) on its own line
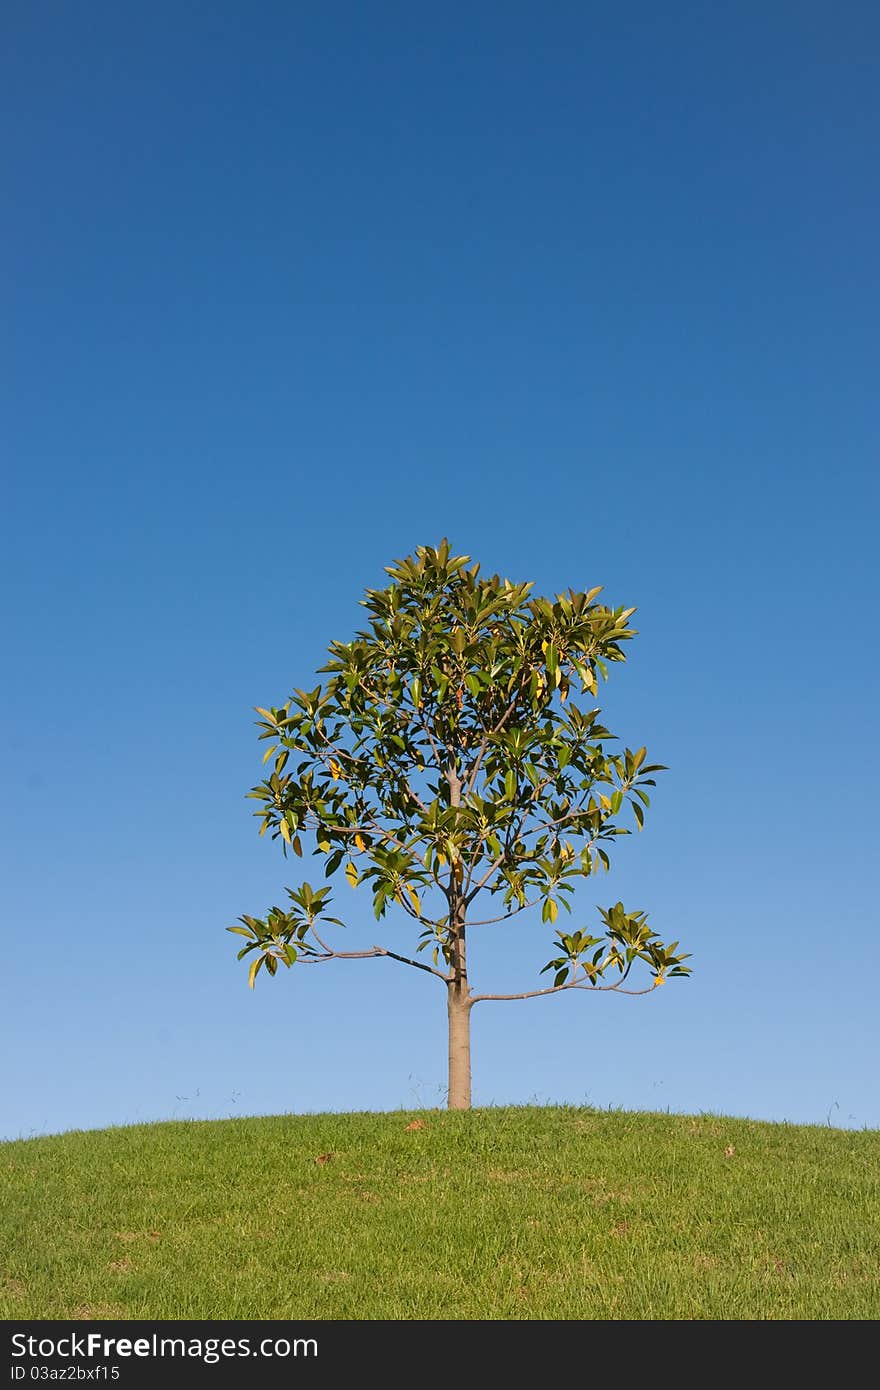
(502, 1213)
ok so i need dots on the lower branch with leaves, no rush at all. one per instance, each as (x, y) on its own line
(584, 961)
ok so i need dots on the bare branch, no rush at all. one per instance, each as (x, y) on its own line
(489, 921)
(408, 908)
(331, 954)
(367, 827)
(416, 964)
(475, 858)
(569, 815)
(557, 989)
(485, 879)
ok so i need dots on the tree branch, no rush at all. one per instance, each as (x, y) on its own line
(523, 813)
(557, 989)
(331, 954)
(472, 777)
(571, 815)
(410, 910)
(533, 830)
(489, 921)
(376, 699)
(475, 858)
(416, 964)
(430, 736)
(472, 893)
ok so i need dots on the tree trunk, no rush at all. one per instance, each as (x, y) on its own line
(458, 1002)
(459, 1007)
(459, 1050)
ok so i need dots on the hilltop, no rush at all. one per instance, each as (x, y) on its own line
(502, 1213)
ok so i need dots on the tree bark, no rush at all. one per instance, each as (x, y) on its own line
(458, 1001)
(459, 1050)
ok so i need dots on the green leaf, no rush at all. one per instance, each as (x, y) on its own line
(254, 970)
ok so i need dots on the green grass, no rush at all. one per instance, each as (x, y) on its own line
(521, 1213)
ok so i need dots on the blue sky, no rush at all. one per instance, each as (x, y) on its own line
(290, 290)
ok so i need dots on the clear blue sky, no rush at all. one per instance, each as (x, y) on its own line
(289, 290)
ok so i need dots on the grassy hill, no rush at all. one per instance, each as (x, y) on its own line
(524, 1213)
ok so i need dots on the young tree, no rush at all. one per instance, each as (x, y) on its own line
(443, 762)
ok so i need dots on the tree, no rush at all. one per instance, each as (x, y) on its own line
(445, 761)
